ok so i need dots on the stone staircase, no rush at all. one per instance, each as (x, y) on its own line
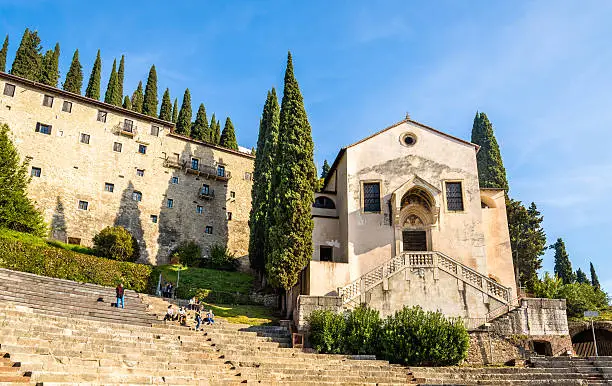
(60, 334)
(598, 370)
(11, 373)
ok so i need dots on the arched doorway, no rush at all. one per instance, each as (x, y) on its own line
(416, 220)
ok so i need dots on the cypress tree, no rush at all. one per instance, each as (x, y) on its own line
(74, 78)
(16, 210)
(111, 88)
(120, 77)
(3, 53)
(28, 60)
(581, 277)
(294, 178)
(49, 73)
(325, 169)
(150, 96)
(183, 123)
(491, 171)
(199, 129)
(165, 112)
(214, 130)
(138, 99)
(93, 86)
(594, 278)
(175, 110)
(127, 103)
(228, 136)
(267, 142)
(563, 265)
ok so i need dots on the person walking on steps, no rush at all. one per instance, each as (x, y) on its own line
(120, 295)
(198, 318)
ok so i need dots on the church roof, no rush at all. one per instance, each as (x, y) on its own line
(407, 120)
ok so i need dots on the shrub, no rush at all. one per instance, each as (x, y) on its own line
(188, 253)
(582, 297)
(116, 243)
(363, 327)
(219, 257)
(60, 263)
(548, 287)
(415, 337)
(327, 331)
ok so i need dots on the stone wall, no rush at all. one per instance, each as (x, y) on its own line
(534, 317)
(307, 304)
(72, 171)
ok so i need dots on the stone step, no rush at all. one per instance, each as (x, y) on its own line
(555, 382)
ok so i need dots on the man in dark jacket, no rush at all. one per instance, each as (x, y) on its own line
(120, 295)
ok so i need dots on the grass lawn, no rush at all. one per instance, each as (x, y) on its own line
(39, 241)
(193, 279)
(252, 315)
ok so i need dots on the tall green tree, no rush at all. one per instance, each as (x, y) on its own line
(563, 265)
(93, 86)
(111, 95)
(127, 103)
(325, 169)
(138, 99)
(16, 210)
(74, 77)
(165, 112)
(594, 278)
(267, 143)
(28, 60)
(215, 132)
(49, 71)
(199, 129)
(228, 136)
(120, 77)
(581, 277)
(527, 239)
(183, 123)
(175, 110)
(150, 96)
(294, 178)
(3, 53)
(491, 171)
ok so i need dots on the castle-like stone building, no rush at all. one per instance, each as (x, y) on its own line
(94, 165)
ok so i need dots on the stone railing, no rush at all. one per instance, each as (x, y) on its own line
(424, 260)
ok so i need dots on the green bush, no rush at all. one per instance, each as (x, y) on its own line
(116, 243)
(415, 337)
(219, 257)
(188, 253)
(327, 331)
(59, 263)
(363, 328)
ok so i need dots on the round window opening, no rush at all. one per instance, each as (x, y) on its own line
(408, 139)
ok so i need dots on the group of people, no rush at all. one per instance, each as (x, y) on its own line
(167, 290)
(181, 315)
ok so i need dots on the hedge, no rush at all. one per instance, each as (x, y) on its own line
(59, 263)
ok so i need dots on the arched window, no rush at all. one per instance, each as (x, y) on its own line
(324, 202)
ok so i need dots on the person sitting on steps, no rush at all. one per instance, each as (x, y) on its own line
(120, 295)
(210, 317)
(182, 317)
(169, 313)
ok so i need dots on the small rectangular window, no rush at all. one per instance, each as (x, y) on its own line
(117, 147)
(102, 116)
(74, 240)
(108, 187)
(195, 163)
(229, 216)
(248, 176)
(43, 128)
(326, 253)
(35, 172)
(140, 172)
(371, 197)
(205, 189)
(454, 196)
(83, 205)
(9, 89)
(155, 130)
(67, 107)
(136, 196)
(128, 125)
(208, 230)
(170, 203)
(154, 218)
(175, 180)
(221, 171)
(199, 209)
(232, 194)
(48, 101)
(84, 138)
(142, 149)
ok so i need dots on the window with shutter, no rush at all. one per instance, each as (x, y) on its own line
(371, 197)
(454, 196)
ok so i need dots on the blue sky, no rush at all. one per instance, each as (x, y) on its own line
(541, 70)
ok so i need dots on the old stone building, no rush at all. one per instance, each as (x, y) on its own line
(95, 165)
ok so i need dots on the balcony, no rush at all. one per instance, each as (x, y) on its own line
(172, 163)
(207, 194)
(129, 130)
(211, 172)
